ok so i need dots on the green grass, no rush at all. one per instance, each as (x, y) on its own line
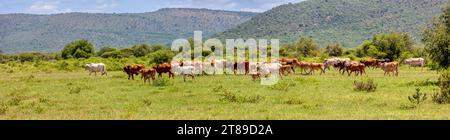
(75, 95)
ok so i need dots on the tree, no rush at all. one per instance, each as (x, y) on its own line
(105, 49)
(437, 40)
(334, 50)
(78, 49)
(392, 44)
(1, 51)
(161, 56)
(304, 47)
(383, 45)
(141, 50)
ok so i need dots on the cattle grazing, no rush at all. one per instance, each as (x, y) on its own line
(316, 66)
(289, 61)
(333, 62)
(94, 68)
(286, 69)
(415, 62)
(303, 66)
(358, 68)
(370, 63)
(270, 68)
(389, 67)
(147, 74)
(164, 68)
(133, 69)
(185, 71)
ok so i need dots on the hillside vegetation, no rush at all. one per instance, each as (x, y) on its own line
(348, 22)
(49, 33)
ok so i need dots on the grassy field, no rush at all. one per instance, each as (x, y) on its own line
(75, 95)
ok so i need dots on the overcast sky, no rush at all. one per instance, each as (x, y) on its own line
(132, 6)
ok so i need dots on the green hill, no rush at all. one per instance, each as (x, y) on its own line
(348, 22)
(49, 33)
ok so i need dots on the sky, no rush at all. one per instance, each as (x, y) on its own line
(132, 6)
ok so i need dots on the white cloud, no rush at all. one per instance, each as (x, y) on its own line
(46, 7)
(258, 10)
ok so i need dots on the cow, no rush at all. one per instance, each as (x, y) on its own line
(289, 61)
(316, 66)
(385, 60)
(303, 66)
(286, 69)
(185, 71)
(147, 74)
(94, 68)
(270, 68)
(133, 69)
(164, 68)
(333, 62)
(358, 68)
(369, 63)
(389, 67)
(415, 62)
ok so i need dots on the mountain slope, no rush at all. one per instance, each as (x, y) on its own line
(49, 33)
(348, 22)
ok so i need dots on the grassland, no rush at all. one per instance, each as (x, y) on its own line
(75, 95)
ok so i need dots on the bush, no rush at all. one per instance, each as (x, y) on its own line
(443, 97)
(161, 82)
(368, 86)
(78, 49)
(104, 50)
(334, 50)
(161, 56)
(417, 98)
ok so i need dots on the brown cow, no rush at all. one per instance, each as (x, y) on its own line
(286, 69)
(147, 74)
(389, 67)
(316, 66)
(303, 65)
(370, 63)
(132, 69)
(358, 68)
(164, 68)
(289, 61)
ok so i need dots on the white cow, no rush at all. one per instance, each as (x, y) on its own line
(185, 71)
(415, 62)
(94, 68)
(270, 68)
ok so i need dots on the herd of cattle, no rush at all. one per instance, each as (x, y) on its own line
(281, 67)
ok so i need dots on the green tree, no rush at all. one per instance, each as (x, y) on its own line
(78, 49)
(383, 45)
(141, 50)
(105, 49)
(334, 50)
(304, 47)
(437, 39)
(161, 56)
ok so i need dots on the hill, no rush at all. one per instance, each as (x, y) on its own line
(49, 33)
(348, 22)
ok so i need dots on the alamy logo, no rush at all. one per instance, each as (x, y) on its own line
(237, 56)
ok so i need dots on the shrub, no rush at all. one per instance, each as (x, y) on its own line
(147, 102)
(368, 86)
(417, 98)
(161, 56)
(74, 90)
(443, 97)
(3, 108)
(282, 85)
(161, 82)
(231, 97)
(294, 102)
(78, 49)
